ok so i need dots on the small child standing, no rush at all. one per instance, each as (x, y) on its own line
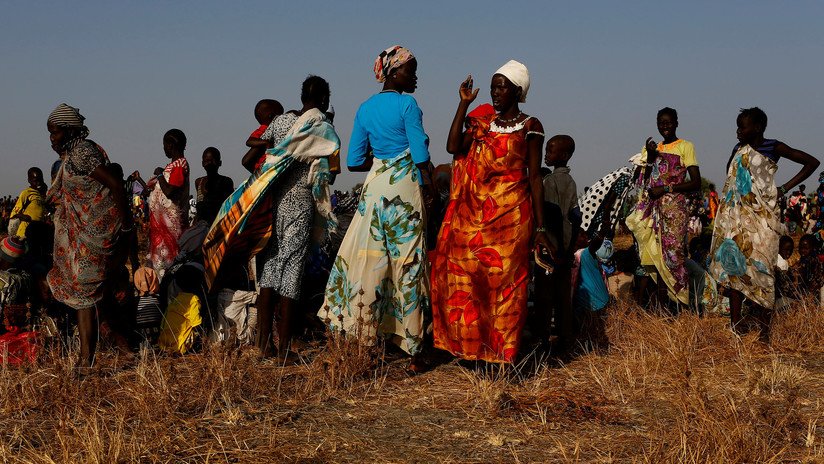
(265, 112)
(552, 298)
(149, 312)
(589, 284)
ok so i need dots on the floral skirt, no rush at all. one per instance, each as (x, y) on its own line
(662, 242)
(378, 286)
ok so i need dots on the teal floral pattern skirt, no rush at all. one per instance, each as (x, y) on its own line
(378, 285)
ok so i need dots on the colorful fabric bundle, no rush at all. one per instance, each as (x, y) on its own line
(244, 224)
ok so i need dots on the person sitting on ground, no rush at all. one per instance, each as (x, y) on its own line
(213, 188)
(265, 112)
(807, 273)
(30, 206)
(183, 313)
(560, 199)
(16, 286)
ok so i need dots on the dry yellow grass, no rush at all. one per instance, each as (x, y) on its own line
(665, 390)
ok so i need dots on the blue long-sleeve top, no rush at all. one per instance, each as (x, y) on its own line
(388, 123)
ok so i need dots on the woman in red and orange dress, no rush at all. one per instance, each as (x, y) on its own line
(481, 264)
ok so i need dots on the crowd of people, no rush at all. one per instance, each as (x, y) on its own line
(417, 256)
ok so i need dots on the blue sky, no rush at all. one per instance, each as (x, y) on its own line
(600, 71)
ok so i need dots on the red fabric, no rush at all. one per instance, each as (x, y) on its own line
(260, 162)
(18, 348)
(177, 176)
(258, 133)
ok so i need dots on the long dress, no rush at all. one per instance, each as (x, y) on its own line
(660, 226)
(168, 217)
(481, 263)
(281, 265)
(378, 284)
(745, 239)
(86, 227)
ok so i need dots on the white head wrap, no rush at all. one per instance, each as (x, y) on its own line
(517, 73)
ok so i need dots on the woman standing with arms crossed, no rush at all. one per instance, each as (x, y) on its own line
(378, 284)
(481, 265)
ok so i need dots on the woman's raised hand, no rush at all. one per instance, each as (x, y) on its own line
(467, 94)
(652, 147)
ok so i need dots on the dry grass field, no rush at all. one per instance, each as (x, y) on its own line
(663, 390)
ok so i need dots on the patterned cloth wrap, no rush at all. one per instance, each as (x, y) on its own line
(660, 225)
(378, 286)
(744, 246)
(244, 223)
(481, 261)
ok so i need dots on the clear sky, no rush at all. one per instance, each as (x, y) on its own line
(600, 71)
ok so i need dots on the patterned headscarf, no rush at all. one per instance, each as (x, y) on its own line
(66, 116)
(392, 58)
(517, 73)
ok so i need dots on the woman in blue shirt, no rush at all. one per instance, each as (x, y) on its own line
(378, 286)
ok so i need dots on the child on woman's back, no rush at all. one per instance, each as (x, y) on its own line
(265, 112)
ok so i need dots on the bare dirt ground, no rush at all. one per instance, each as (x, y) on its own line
(663, 390)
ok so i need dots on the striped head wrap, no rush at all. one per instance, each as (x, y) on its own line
(66, 116)
(392, 58)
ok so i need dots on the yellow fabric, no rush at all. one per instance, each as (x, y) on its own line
(30, 202)
(650, 253)
(670, 215)
(683, 148)
(182, 316)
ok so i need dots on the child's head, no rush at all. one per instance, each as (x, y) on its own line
(266, 110)
(35, 175)
(806, 245)
(158, 171)
(786, 246)
(751, 122)
(174, 143)
(667, 122)
(559, 150)
(211, 160)
(802, 188)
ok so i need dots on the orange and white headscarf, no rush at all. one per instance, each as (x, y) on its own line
(392, 58)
